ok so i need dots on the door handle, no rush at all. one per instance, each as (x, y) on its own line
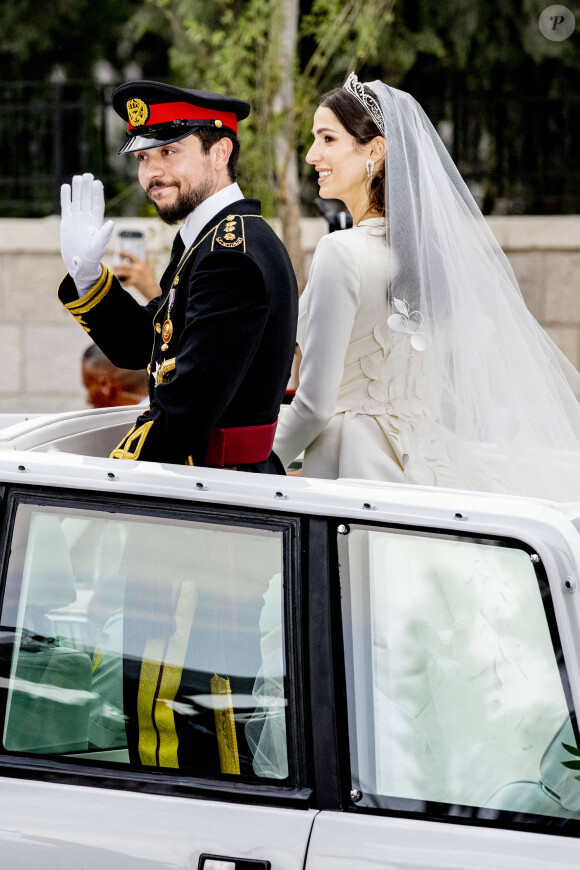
(221, 862)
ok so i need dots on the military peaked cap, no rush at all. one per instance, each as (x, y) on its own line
(158, 114)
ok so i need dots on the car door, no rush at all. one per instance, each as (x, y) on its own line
(459, 736)
(150, 696)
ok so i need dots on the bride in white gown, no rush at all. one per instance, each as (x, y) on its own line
(421, 363)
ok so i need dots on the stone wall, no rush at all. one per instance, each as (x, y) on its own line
(42, 345)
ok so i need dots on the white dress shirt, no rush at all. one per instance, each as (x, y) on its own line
(199, 217)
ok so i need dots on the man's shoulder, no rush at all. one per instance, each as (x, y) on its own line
(240, 231)
(240, 228)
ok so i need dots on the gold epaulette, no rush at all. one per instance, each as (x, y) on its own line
(230, 233)
(92, 297)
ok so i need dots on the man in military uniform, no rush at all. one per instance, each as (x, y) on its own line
(218, 344)
(219, 341)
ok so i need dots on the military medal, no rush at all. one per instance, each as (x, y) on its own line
(167, 328)
(166, 333)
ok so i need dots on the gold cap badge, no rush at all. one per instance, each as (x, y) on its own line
(138, 112)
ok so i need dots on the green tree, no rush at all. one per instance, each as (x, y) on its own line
(56, 57)
(508, 95)
(69, 34)
(280, 55)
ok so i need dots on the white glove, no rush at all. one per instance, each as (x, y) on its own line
(83, 235)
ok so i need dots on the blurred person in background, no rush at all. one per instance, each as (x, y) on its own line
(108, 386)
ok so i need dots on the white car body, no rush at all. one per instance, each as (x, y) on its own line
(55, 814)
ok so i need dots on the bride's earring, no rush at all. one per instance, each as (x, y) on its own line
(370, 165)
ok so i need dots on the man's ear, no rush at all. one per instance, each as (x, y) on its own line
(106, 386)
(221, 151)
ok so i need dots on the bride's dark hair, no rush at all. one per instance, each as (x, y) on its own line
(357, 121)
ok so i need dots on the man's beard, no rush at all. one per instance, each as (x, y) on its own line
(185, 201)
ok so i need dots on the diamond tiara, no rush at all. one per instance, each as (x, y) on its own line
(369, 103)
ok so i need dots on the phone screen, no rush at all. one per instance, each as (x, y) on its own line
(131, 242)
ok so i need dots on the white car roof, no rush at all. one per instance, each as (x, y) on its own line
(70, 450)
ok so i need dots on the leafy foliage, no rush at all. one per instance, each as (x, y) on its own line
(72, 35)
(507, 95)
(572, 765)
(236, 46)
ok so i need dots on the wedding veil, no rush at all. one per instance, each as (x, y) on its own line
(498, 399)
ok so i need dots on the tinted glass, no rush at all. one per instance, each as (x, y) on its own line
(456, 702)
(145, 641)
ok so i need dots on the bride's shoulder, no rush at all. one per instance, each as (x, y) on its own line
(357, 238)
(356, 246)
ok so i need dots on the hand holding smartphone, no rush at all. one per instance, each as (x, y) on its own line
(129, 242)
(131, 263)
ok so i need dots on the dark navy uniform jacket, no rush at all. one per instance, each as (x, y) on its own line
(228, 360)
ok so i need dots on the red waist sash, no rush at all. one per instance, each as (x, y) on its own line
(240, 445)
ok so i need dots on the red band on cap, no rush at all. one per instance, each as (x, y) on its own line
(163, 112)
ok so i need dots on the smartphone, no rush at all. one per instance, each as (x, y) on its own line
(131, 242)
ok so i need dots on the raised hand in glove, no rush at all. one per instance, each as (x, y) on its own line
(83, 235)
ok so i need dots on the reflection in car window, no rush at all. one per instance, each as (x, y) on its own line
(455, 695)
(148, 641)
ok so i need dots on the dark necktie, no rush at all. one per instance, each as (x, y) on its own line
(178, 247)
(177, 250)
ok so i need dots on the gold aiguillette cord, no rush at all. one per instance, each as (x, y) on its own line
(225, 725)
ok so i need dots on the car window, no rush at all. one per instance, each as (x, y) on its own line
(149, 641)
(454, 678)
